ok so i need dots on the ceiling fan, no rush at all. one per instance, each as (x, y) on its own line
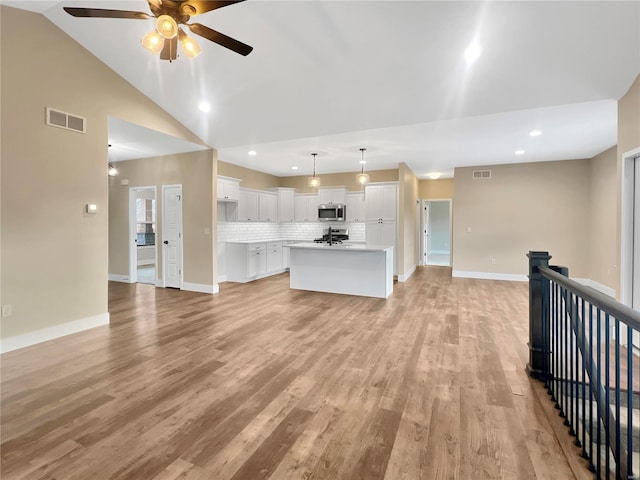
(170, 15)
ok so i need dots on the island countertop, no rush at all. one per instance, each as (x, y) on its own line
(342, 246)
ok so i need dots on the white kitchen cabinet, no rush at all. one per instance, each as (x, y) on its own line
(257, 261)
(383, 233)
(381, 202)
(274, 257)
(228, 189)
(248, 206)
(268, 207)
(333, 195)
(286, 204)
(306, 208)
(355, 207)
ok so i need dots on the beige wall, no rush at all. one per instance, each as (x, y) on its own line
(435, 189)
(194, 172)
(338, 180)
(250, 178)
(55, 256)
(603, 187)
(407, 223)
(522, 207)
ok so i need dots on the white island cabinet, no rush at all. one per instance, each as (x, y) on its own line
(365, 270)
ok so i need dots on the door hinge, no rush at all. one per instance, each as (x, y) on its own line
(179, 272)
(179, 197)
(179, 235)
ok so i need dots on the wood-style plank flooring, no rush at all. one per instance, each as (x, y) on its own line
(264, 382)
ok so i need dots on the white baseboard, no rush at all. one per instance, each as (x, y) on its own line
(596, 286)
(146, 262)
(511, 277)
(119, 278)
(197, 287)
(49, 333)
(405, 277)
(439, 252)
(159, 282)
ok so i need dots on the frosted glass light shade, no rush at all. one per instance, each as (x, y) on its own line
(314, 182)
(167, 26)
(189, 46)
(362, 178)
(153, 42)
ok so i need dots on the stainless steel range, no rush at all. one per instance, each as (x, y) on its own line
(334, 235)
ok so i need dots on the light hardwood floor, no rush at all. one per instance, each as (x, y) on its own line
(265, 382)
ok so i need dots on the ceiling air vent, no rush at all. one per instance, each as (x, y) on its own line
(59, 119)
(481, 174)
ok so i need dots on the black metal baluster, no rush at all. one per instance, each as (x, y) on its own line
(565, 390)
(572, 381)
(607, 392)
(599, 381)
(583, 381)
(563, 352)
(592, 385)
(629, 402)
(617, 393)
(552, 339)
(556, 322)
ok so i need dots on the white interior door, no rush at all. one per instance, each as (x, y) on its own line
(425, 231)
(172, 235)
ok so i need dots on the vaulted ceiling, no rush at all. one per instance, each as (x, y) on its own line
(334, 76)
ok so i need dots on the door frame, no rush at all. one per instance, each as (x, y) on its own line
(180, 238)
(626, 226)
(423, 227)
(133, 252)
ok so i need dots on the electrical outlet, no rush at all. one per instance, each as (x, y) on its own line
(7, 310)
(493, 261)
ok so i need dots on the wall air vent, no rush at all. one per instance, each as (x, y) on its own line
(59, 119)
(481, 174)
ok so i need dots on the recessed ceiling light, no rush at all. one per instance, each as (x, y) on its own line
(519, 152)
(204, 106)
(535, 133)
(472, 52)
(252, 153)
(294, 168)
(434, 175)
(363, 162)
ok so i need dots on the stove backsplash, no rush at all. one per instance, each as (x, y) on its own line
(228, 231)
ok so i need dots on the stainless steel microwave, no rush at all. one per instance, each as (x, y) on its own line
(334, 212)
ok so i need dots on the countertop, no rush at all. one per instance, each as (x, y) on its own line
(359, 247)
(346, 242)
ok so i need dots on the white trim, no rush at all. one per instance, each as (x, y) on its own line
(405, 277)
(197, 287)
(114, 277)
(626, 226)
(440, 252)
(424, 258)
(222, 278)
(511, 277)
(50, 333)
(596, 286)
(160, 282)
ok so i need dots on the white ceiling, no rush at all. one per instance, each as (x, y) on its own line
(390, 76)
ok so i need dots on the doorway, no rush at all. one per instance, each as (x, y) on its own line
(143, 249)
(436, 230)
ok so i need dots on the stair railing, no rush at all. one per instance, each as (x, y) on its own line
(566, 320)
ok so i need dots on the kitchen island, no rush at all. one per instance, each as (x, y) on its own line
(365, 270)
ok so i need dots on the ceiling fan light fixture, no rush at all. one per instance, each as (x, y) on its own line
(189, 45)
(167, 26)
(113, 171)
(153, 42)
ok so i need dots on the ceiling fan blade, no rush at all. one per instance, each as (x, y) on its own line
(198, 7)
(221, 39)
(170, 49)
(104, 13)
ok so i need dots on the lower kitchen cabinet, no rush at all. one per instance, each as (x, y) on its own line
(249, 261)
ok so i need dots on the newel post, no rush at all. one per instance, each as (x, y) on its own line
(538, 365)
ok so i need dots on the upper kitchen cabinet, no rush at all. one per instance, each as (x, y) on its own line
(306, 208)
(267, 207)
(334, 195)
(355, 207)
(381, 202)
(248, 206)
(228, 189)
(286, 204)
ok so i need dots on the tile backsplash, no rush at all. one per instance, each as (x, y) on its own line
(230, 231)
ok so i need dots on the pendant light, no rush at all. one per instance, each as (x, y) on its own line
(315, 180)
(362, 177)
